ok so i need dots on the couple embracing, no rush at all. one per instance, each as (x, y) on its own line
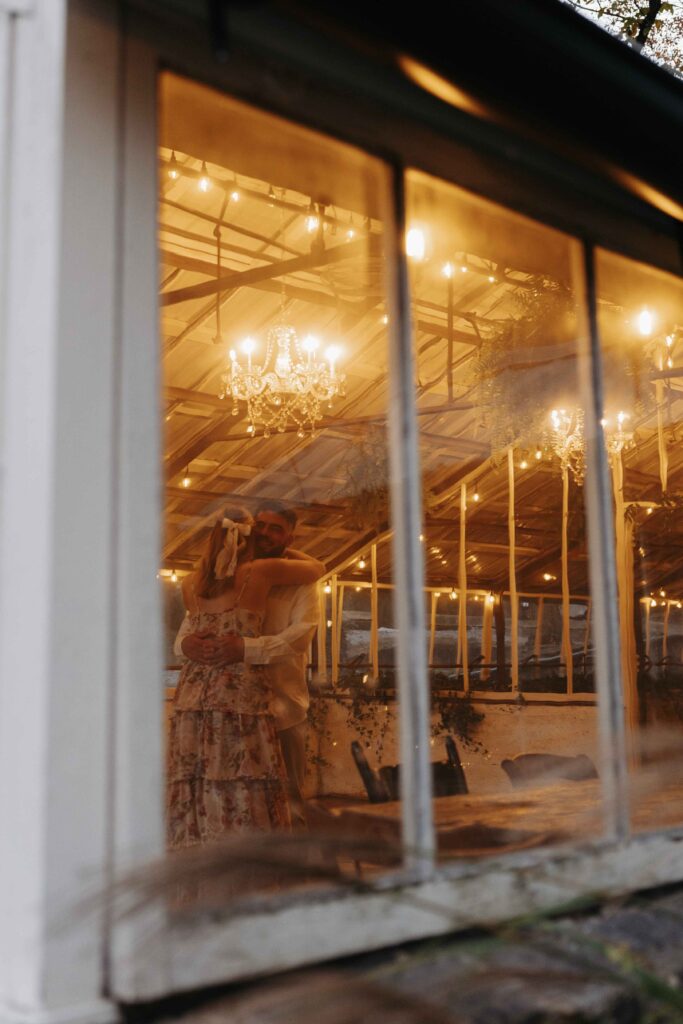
(236, 748)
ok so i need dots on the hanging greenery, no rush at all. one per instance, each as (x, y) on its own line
(365, 469)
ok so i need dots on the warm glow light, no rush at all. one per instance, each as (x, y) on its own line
(332, 354)
(650, 510)
(174, 576)
(475, 496)
(678, 604)
(463, 269)
(662, 593)
(422, 537)
(492, 279)
(653, 603)
(385, 319)
(248, 346)
(187, 480)
(548, 577)
(327, 588)
(329, 623)
(235, 196)
(645, 322)
(361, 563)
(444, 561)
(453, 596)
(173, 169)
(312, 223)
(415, 244)
(204, 182)
(524, 464)
(447, 270)
(358, 590)
(489, 599)
(437, 596)
(310, 343)
(538, 454)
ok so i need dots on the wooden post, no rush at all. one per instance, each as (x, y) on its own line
(432, 630)
(648, 605)
(623, 530)
(538, 635)
(336, 621)
(462, 610)
(322, 633)
(499, 619)
(661, 443)
(514, 608)
(566, 632)
(665, 637)
(487, 637)
(374, 615)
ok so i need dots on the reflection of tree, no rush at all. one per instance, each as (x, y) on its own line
(365, 468)
(655, 26)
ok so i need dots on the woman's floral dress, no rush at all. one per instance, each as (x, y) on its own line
(226, 774)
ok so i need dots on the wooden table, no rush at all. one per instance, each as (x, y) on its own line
(471, 825)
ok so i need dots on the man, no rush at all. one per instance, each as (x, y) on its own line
(290, 621)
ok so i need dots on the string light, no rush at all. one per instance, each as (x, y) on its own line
(329, 623)
(524, 464)
(492, 279)
(538, 455)
(271, 196)
(327, 588)
(653, 603)
(415, 244)
(204, 183)
(174, 576)
(453, 595)
(548, 577)
(173, 169)
(187, 480)
(437, 595)
(645, 322)
(475, 496)
(447, 270)
(235, 195)
(361, 563)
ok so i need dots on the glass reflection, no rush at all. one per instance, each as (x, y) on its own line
(501, 442)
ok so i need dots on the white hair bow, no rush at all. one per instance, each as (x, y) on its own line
(226, 561)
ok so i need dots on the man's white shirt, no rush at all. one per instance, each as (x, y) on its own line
(290, 621)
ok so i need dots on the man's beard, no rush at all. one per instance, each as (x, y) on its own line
(270, 553)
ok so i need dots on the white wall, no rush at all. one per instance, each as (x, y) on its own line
(507, 730)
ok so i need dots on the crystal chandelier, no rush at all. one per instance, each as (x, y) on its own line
(568, 443)
(618, 439)
(290, 386)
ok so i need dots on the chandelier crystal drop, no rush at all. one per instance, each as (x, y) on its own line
(288, 388)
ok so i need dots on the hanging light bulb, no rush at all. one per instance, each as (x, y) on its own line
(645, 322)
(538, 455)
(453, 595)
(475, 496)
(187, 479)
(235, 193)
(524, 464)
(312, 220)
(361, 563)
(437, 595)
(174, 576)
(653, 603)
(173, 168)
(204, 182)
(415, 244)
(351, 232)
(327, 588)
(492, 279)
(447, 270)
(271, 196)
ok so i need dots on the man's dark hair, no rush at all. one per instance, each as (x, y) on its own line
(279, 508)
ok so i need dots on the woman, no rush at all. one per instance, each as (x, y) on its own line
(226, 772)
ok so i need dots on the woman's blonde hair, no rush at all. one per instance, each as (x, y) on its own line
(207, 583)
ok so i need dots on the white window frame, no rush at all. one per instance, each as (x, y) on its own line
(421, 900)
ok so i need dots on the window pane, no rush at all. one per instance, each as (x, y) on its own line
(274, 332)
(641, 328)
(499, 417)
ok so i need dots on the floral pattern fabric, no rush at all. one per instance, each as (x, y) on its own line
(226, 774)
